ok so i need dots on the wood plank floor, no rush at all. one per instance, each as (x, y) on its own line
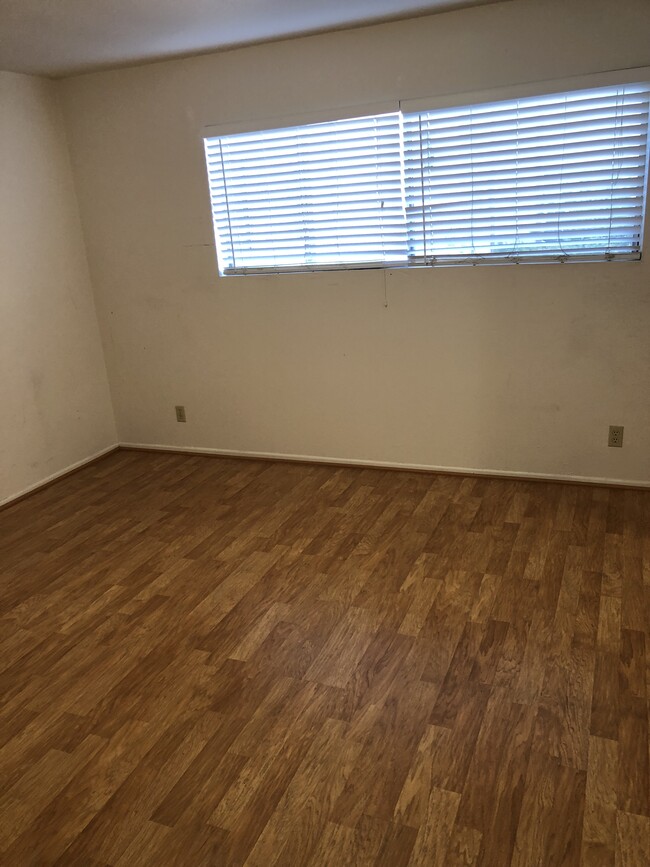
(236, 662)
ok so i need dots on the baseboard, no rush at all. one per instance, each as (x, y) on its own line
(55, 477)
(384, 465)
(317, 459)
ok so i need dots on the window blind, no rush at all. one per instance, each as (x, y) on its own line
(546, 178)
(560, 177)
(321, 196)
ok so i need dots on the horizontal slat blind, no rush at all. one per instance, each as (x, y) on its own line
(551, 177)
(312, 197)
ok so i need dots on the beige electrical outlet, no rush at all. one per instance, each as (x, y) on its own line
(615, 436)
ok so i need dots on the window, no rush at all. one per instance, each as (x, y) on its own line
(545, 178)
(550, 178)
(328, 194)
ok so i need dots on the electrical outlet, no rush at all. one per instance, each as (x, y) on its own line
(615, 436)
(180, 413)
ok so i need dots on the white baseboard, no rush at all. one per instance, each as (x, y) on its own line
(319, 459)
(64, 472)
(389, 465)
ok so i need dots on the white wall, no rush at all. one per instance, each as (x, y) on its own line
(512, 368)
(54, 398)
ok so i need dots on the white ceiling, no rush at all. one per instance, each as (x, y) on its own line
(63, 37)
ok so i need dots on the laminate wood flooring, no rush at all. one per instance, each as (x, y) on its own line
(223, 662)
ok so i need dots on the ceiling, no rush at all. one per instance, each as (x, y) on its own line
(64, 37)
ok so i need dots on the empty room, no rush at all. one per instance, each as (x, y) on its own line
(325, 438)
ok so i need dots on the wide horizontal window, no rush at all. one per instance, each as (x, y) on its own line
(550, 178)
